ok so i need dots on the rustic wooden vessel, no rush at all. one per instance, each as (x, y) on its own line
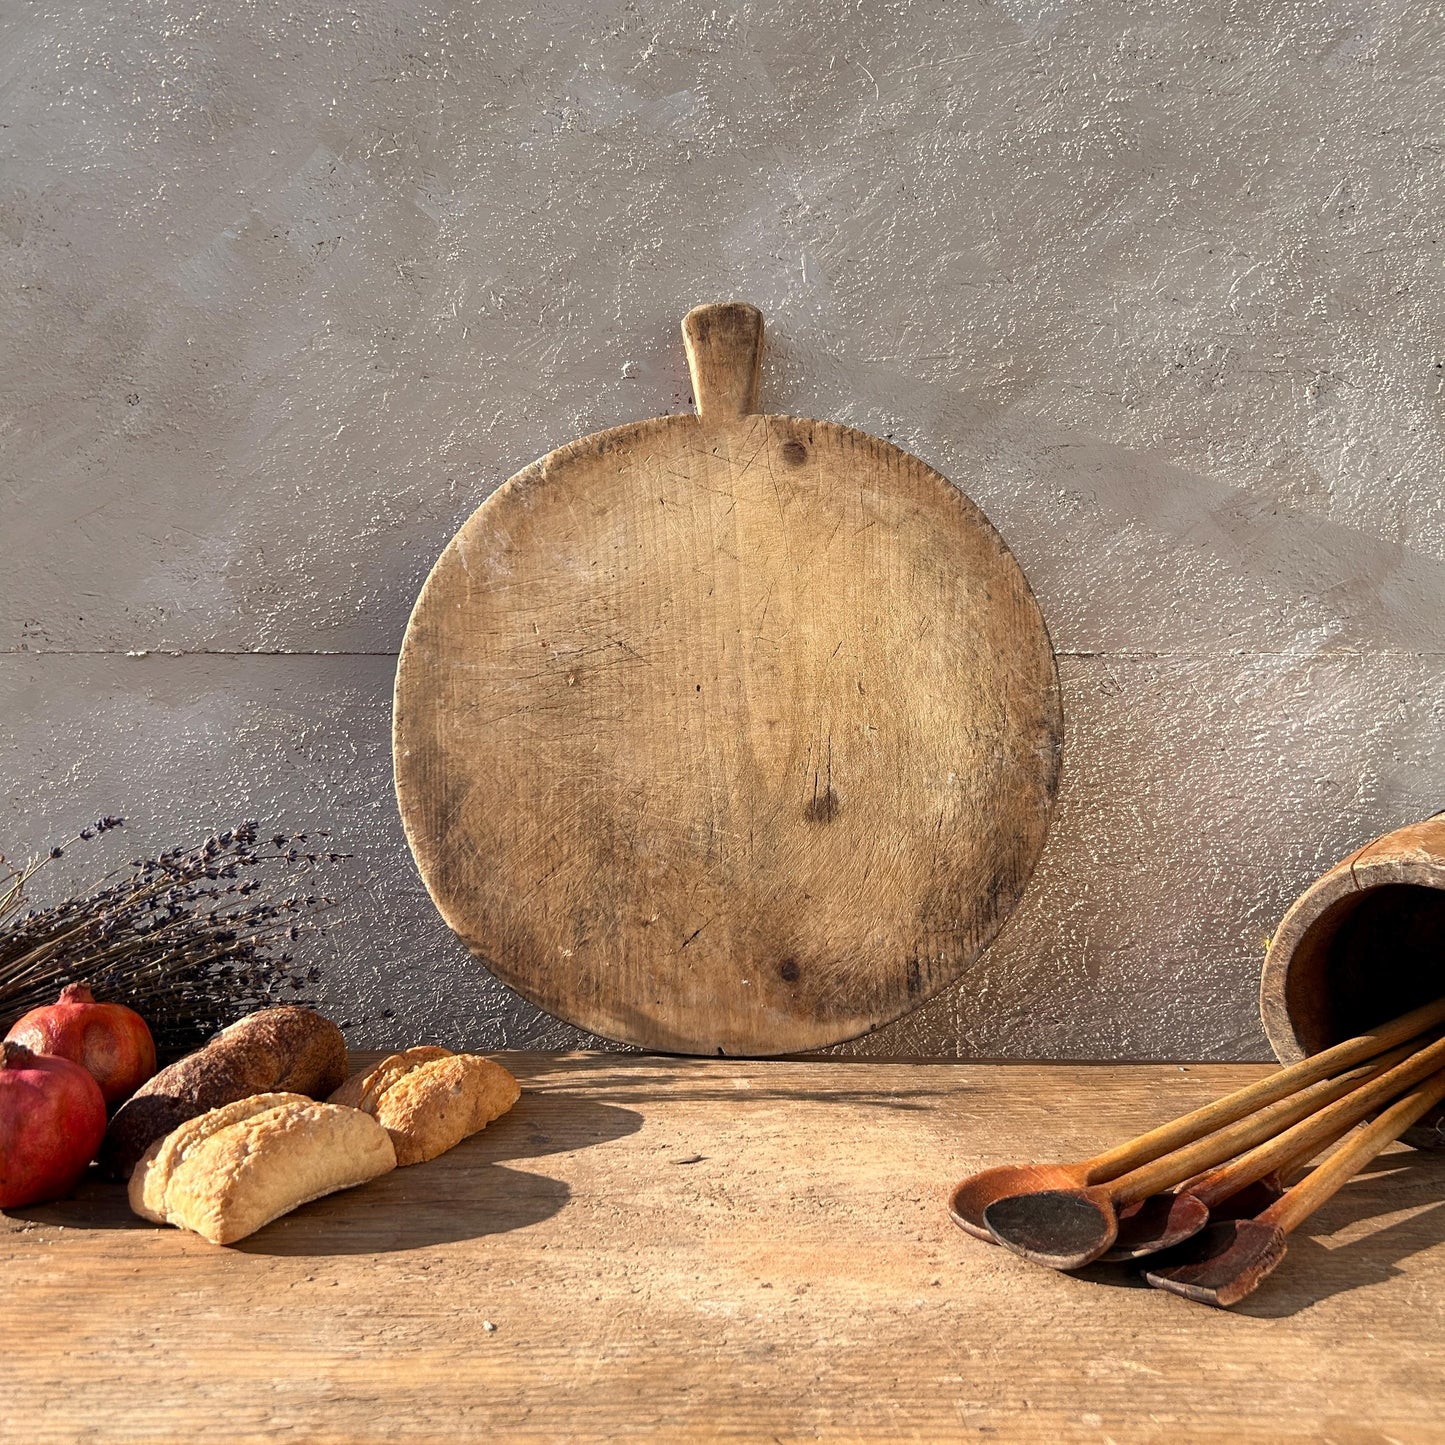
(1362, 944)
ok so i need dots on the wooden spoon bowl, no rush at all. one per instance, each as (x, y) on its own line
(1164, 1220)
(1225, 1263)
(1061, 1228)
(971, 1196)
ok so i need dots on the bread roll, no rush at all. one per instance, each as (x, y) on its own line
(229, 1171)
(291, 1049)
(150, 1177)
(430, 1099)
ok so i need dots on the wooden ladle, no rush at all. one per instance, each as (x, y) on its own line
(1227, 1262)
(1249, 1184)
(971, 1196)
(1069, 1228)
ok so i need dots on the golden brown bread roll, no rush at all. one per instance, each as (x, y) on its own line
(429, 1099)
(288, 1048)
(229, 1171)
(152, 1175)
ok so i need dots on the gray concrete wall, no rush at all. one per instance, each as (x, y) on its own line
(289, 289)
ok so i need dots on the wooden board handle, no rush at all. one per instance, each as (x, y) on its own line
(724, 343)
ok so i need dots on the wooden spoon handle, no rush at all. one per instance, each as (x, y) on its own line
(724, 342)
(1315, 1128)
(1290, 1149)
(1297, 1204)
(1297, 1110)
(1168, 1137)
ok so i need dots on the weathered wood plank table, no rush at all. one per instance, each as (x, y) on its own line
(712, 1249)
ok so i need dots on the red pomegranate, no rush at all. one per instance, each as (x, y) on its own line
(108, 1040)
(52, 1119)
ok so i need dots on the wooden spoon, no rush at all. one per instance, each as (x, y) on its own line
(1247, 1185)
(971, 1196)
(1069, 1228)
(1227, 1262)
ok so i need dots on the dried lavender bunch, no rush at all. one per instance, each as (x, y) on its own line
(192, 939)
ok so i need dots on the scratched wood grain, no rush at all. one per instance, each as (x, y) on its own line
(729, 733)
(679, 1249)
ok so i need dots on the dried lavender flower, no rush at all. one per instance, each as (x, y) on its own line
(192, 939)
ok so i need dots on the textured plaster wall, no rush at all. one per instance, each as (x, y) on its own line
(289, 289)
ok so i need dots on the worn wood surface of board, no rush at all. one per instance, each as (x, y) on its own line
(727, 733)
(685, 1249)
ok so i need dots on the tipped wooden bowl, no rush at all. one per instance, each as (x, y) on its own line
(1362, 944)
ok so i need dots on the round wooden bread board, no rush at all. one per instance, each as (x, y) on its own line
(727, 733)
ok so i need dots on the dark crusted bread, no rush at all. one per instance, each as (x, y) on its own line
(292, 1050)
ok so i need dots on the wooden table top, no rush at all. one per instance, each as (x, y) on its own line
(716, 1249)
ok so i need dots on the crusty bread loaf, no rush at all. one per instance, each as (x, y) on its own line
(150, 1177)
(291, 1049)
(229, 1171)
(429, 1099)
(361, 1091)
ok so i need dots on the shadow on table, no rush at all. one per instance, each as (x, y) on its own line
(547, 1121)
(96, 1204)
(467, 1193)
(1312, 1270)
(408, 1209)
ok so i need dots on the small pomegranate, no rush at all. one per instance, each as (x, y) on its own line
(52, 1119)
(108, 1040)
